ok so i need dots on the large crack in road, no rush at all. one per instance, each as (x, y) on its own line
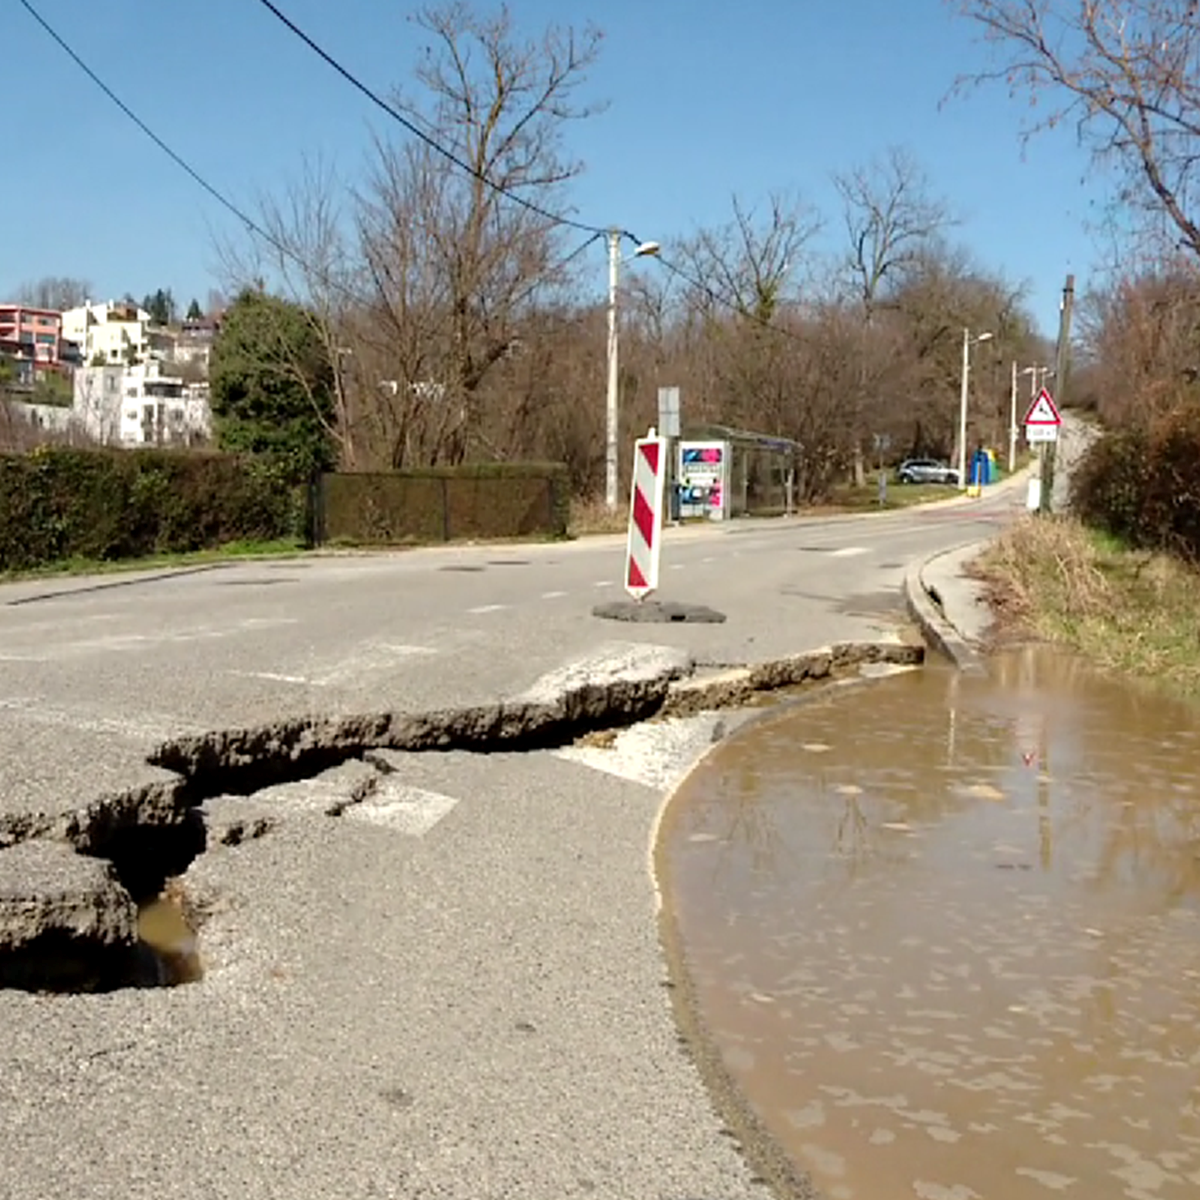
(70, 885)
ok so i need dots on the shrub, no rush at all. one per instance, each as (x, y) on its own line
(1142, 484)
(60, 503)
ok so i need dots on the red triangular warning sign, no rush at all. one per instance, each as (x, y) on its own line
(1042, 411)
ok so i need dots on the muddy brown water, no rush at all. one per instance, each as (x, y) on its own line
(170, 952)
(944, 933)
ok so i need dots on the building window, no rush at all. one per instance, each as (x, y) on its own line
(46, 322)
(46, 339)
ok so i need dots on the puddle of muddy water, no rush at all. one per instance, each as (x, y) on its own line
(169, 951)
(945, 933)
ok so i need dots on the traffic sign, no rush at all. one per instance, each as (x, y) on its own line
(1041, 433)
(1043, 412)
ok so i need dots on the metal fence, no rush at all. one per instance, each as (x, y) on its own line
(492, 501)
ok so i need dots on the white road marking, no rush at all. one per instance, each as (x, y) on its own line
(656, 755)
(552, 595)
(487, 608)
(675, 567)
(402, 808)
(125, 642)
(366, 658)
(603, 583)
(273, 676)
(850, 551)
(709, 559)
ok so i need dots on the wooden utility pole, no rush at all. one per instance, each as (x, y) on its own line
(1062, 358)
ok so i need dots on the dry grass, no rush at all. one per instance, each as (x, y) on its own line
(589, 517)
(1132, 612)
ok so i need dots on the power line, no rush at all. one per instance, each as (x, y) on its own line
(252, 225)
(451, 157)
(179, 161)
(286, 251)
(432, 143)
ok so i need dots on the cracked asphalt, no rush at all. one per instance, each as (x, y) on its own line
(455, 989)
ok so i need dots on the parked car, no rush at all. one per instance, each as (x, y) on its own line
(926, 470)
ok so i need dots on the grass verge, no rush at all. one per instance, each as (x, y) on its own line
(286, 548)
(899, 495)
(591, 517)
(1127, 611)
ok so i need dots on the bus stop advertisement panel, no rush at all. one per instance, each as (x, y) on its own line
(703, 480)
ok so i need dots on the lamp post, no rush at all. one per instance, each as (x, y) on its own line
(1032, 372)
(612, 412)
(968, 342)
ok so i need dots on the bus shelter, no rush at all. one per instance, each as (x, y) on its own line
(722, 473)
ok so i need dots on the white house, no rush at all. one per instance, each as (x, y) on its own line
(141, 405)
(113, 333)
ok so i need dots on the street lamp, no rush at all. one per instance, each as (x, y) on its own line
(1032, 372)
(612, 416)
(968, 342)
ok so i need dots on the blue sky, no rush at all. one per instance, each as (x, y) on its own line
(704, 97)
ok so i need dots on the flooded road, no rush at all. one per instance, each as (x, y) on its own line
(944, 932)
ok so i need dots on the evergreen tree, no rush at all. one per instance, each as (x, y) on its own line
(273, 384)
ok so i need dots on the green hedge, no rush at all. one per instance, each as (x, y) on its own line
(1143, 485)
(441, 504)
(58, 504)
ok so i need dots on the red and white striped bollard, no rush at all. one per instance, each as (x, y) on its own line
(644, 542)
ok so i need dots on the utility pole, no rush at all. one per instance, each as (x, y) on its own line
(611, 412)
(967, 343)
(1012, 422)
(962, 410)
(1061, 359)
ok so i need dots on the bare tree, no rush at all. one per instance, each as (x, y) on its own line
(54, 292)
(890, 215)
(1140, 336)
(312, 258)
(1124, 72)
(454, 259)
(750, 264)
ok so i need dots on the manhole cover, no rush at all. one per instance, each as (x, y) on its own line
(660, 612)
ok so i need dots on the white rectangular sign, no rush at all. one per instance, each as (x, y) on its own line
(1041, 433)
(668, 412)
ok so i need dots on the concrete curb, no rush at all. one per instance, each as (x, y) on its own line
(936, 627)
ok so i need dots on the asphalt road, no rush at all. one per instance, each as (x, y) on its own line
(454, 990)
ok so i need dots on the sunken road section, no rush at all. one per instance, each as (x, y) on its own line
(70, 883)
